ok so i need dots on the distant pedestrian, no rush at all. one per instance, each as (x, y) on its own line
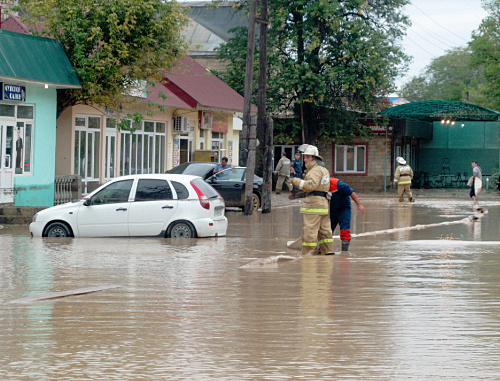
(296, 168)
(475, 183)
(403, 177)
(282, 170)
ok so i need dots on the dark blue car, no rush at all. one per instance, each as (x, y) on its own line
(230, 182)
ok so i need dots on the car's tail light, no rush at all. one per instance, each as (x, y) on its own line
(201, 196)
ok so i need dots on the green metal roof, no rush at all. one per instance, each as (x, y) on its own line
(33, 59)
(437, 110)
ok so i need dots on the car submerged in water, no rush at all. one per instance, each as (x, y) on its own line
(161, 205)
(230, 183)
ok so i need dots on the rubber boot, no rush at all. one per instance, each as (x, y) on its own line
(278, 191)
(311, 252)
(412, 199)
(345, 244)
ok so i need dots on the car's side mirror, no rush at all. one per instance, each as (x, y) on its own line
(86, 201)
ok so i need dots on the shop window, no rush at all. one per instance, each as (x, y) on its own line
(218, 144)
(22, 138)
(7, 110)
(25, 112)
(350, 159)
(144, 150)
(87, 146)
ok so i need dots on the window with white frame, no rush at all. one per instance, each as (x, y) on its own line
(350, 158)
(16, 138)
(218, 144)
(110, 156)
(143, 151)
(87, 146)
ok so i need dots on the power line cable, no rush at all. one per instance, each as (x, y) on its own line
(421, 47)
(429, 41)
(448, 44)
(438, 24)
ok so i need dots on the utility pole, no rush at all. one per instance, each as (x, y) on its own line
(264, 123)
(247, 105)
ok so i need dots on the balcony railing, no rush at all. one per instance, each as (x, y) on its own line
(67, 188)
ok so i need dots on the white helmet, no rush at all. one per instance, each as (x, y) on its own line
(400, 160)
(311, 150)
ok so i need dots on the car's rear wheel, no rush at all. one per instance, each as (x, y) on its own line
(255, 202)
(58, 229)
(182, 229)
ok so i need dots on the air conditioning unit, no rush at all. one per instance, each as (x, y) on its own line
(181, 124)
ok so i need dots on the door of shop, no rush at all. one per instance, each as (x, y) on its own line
(6, 163)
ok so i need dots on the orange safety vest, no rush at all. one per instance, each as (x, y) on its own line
(333, 184)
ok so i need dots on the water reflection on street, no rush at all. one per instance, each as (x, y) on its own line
(418, 304)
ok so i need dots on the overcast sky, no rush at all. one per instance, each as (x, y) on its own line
(437, 26)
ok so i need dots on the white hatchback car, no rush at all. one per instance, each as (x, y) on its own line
(163, 205)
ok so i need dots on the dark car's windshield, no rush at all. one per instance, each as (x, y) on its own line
(195, 169)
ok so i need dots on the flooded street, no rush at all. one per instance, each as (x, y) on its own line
(420, 304)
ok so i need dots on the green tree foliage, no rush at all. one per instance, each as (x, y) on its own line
(449, 77)
(485, 47)
(329, 63)
(112, 44)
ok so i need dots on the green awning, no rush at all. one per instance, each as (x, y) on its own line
(37, 60)
(436, 110)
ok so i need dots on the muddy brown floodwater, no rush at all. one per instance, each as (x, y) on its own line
(421, 304)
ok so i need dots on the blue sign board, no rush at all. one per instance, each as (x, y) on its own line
(13, 93)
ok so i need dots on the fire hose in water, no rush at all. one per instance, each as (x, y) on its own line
(297, 244)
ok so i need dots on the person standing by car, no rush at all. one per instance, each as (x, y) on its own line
(317, 228)
(222, 165)
(283, 171)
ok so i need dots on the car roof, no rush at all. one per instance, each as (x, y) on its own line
(166, 176)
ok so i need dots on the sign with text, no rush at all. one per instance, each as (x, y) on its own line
(13, 93)
(379, 129)
(220, 123)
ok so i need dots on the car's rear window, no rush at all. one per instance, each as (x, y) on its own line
(195, 169)
(181, 190)
(206, 188)
(179, 169)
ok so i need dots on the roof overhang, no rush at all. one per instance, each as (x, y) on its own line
(437, 110)
(27, 82)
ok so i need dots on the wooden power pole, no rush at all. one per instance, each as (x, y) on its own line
(249, 133)
(247, 105)
(264, 123)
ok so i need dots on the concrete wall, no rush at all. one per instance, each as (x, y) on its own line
(65, 158)
(37, 188)
(211, 63)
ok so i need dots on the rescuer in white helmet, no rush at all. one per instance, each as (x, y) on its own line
(402, 178)
(317, 230)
